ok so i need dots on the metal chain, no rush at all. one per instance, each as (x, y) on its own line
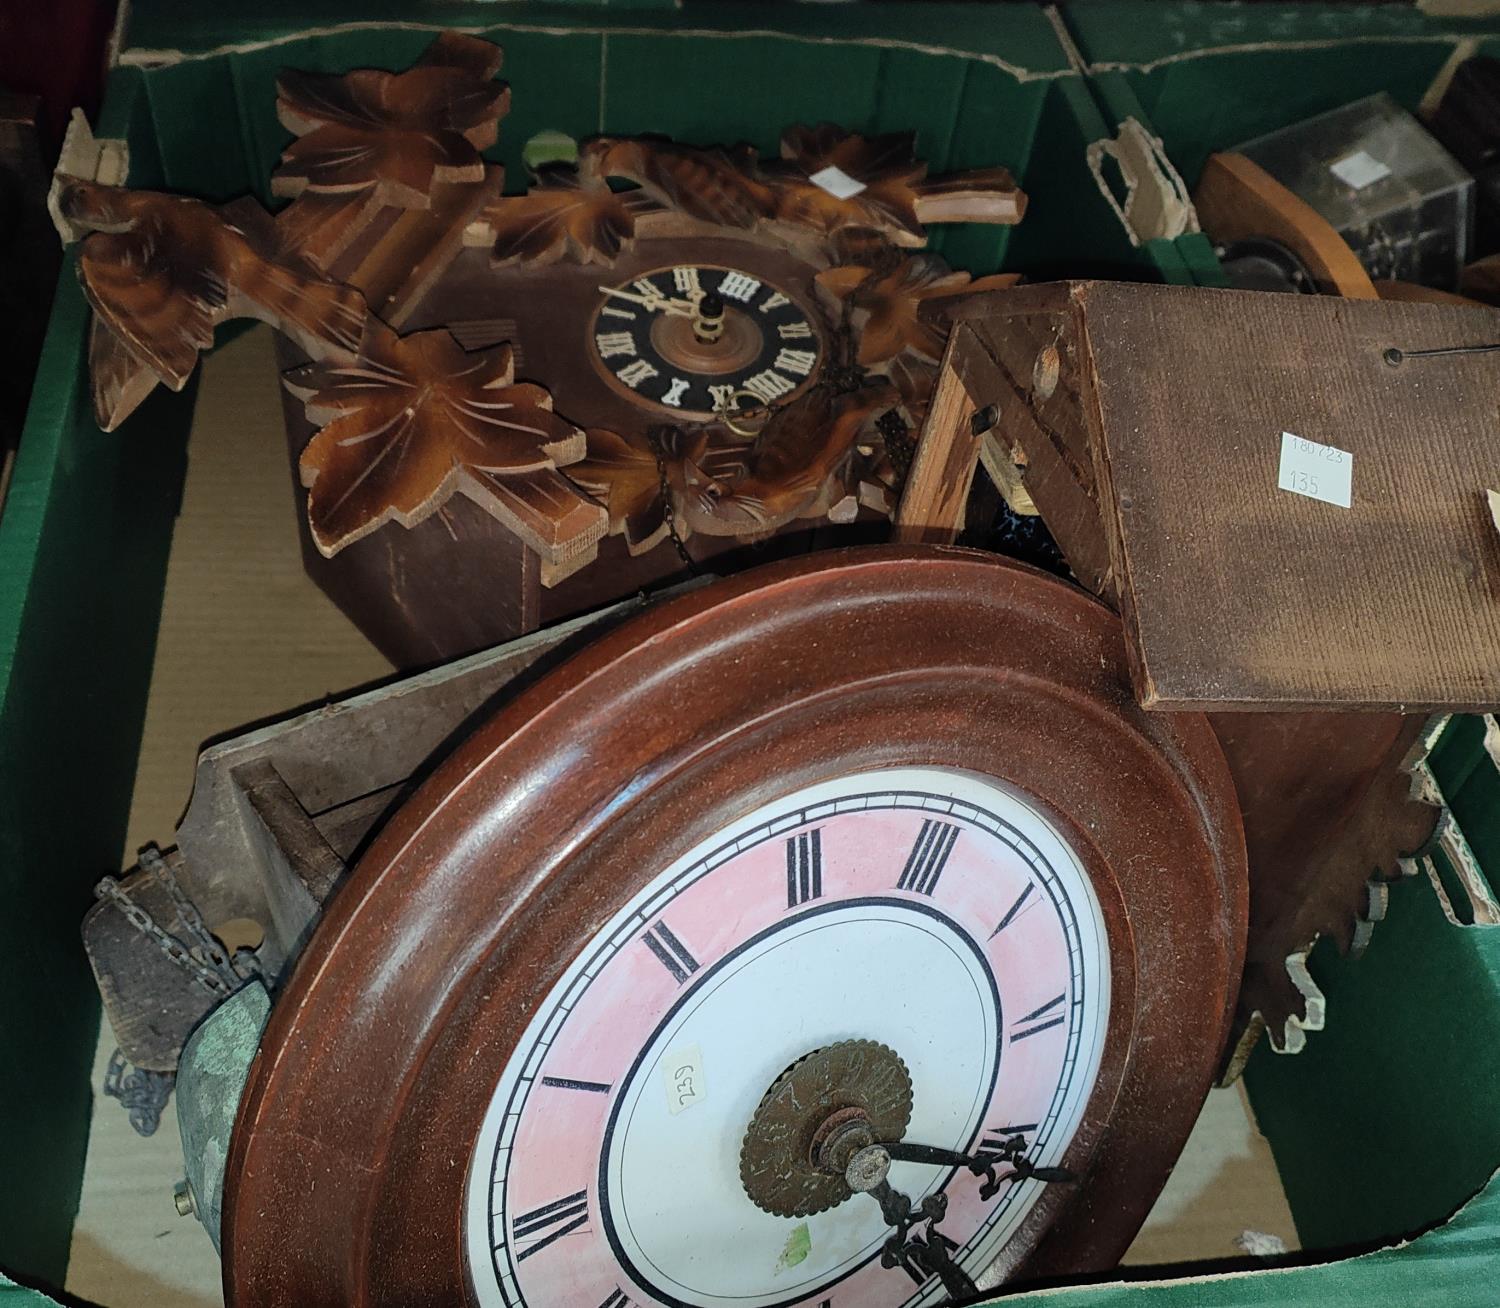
(206, 976)
(669, 516)
(142, 1094)
(207, 950)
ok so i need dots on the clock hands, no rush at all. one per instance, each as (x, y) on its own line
(830, 1126)
(930, 1253)
(655, 303)
(1011, 1152)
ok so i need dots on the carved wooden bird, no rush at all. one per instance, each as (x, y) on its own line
(790, 470)
(162, 271)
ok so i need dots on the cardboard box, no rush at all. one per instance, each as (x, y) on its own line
(1384, 1126)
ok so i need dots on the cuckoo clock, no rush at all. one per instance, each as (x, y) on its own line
(509, 408)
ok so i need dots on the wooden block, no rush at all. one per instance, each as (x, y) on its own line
(1237, 594)
(1025, 360)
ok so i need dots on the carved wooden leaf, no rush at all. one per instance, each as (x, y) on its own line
(162, 271)
(888, 303)
(394, 133)
(643, 477)
(408, 421)
(564, 214)
(714, 186)
(622, 473)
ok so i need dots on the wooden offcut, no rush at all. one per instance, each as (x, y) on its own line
(1237, 199)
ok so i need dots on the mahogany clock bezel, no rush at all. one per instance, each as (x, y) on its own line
(348, 1164)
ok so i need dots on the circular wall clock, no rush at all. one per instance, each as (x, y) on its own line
(800, 942)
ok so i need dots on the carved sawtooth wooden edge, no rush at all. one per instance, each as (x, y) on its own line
(1327, 797)
(161, 272)
(1237, 199)
(1331, 796)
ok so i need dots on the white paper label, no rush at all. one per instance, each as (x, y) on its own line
(836, 182)
(1359, 170)
(682, 1073)
(1319, 472)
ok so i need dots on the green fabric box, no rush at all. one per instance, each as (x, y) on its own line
(87, 523)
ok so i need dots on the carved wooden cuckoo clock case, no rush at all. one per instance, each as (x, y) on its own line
(506, 409)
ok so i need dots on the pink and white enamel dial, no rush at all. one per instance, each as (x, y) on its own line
(935, 912)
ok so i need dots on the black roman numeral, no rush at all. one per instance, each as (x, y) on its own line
(1040, 1026)
(671, 951)
(541, 1226)
(568, 1083)
(1015, 908)
(616, 1300)
(924, 865)
(996, 1137)
(804, 868)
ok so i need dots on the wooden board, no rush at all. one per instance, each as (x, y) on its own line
(1238, 595)
(1237, 199)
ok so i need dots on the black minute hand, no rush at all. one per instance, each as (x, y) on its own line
(983, 1164)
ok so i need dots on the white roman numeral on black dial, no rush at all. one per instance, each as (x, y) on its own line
(1039, 1020)
(671, 952)
(532, 1232)
(925, 863)
(646, 338)
(804, 868)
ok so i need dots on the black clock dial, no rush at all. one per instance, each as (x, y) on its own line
(698, 339)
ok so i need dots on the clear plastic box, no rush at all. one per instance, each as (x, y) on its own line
(1403, 203)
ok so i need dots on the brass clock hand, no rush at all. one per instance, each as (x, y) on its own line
(654, 303)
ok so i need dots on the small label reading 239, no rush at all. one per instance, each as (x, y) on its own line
(682, 1074)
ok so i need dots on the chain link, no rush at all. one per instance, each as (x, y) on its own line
(208, 975)
(142, 1094)
(207, 949)
(668, 513)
